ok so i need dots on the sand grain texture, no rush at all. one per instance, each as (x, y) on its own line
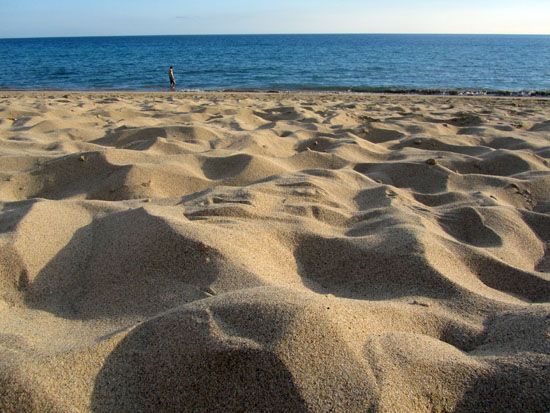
(274, 252)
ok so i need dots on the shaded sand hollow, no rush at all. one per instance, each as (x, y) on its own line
(274, 252)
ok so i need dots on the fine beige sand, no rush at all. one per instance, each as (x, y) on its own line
(274, 252)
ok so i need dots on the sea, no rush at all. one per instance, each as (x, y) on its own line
(454, 64)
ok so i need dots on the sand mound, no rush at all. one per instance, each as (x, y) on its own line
(288, 252)
(143, 138)
(248, 351)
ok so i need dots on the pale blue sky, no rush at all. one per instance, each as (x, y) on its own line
(30, 18)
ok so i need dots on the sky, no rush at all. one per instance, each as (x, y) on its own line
(44, 18)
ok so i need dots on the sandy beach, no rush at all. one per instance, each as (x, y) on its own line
(274, 252)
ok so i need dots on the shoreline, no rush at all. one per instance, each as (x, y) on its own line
(259, 92)
(466, 92)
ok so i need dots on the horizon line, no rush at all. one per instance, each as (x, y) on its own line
(273, 34)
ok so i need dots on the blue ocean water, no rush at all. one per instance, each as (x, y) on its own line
(281, 62)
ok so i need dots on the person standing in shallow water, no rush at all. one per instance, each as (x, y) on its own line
(172, 78)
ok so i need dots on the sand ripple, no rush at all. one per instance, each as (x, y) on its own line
(274, 253)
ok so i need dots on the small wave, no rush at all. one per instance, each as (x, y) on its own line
(400, 91)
